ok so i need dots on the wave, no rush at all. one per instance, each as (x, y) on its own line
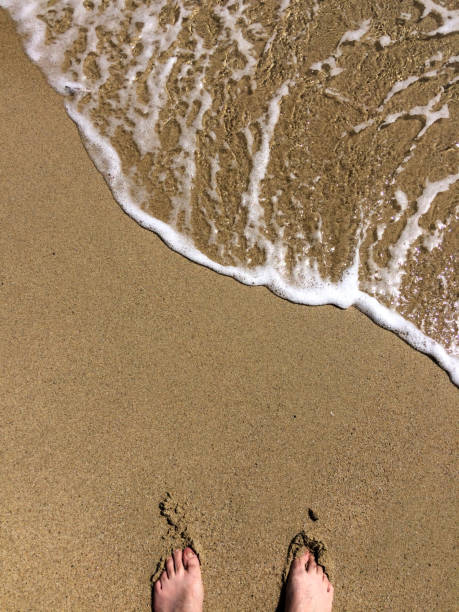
(292, 144)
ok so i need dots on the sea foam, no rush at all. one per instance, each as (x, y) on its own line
(226, 130)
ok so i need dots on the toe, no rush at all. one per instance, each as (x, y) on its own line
(299, 563)
(304, 558)
(170, 567)
(190, 559)
(163, 579)
(312, 565)
(178, 563)
(157, 588)
(296, 564)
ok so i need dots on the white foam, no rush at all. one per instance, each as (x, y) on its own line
(250, 199)
(450, 18)
(399, 86)
(353, 35)
(214, 169)
(333, 93)
(388, 279)
(402, 201)
(330, 62)
(307, 286)
(426, 112)
(405, 16)
(145, 130)
(434, 240)
(437, 57)
(429, 115)
(385, 41)
(349, 36)
(231, 14)
(283, 6)
(184, 163)
(362, 126)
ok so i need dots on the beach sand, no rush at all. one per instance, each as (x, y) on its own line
(134, 379)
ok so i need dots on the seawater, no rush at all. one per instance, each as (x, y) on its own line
(309, 146)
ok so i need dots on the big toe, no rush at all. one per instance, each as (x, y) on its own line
(190, 559)
(298, 565)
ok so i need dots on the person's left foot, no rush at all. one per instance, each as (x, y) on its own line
(308, 588)
(179, 588)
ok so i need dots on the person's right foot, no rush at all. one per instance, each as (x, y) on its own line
(179, 588)
(308, 588)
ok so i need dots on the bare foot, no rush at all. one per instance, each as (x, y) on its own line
(308, 588)
(179, 588)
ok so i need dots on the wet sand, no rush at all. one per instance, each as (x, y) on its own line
(129, 372)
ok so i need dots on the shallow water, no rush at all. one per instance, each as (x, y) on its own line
(297, 144)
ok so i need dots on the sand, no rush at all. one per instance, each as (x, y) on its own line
(129, 373)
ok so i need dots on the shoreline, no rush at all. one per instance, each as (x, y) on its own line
(304, 285)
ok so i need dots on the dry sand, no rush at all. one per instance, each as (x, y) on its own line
(129, 372)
